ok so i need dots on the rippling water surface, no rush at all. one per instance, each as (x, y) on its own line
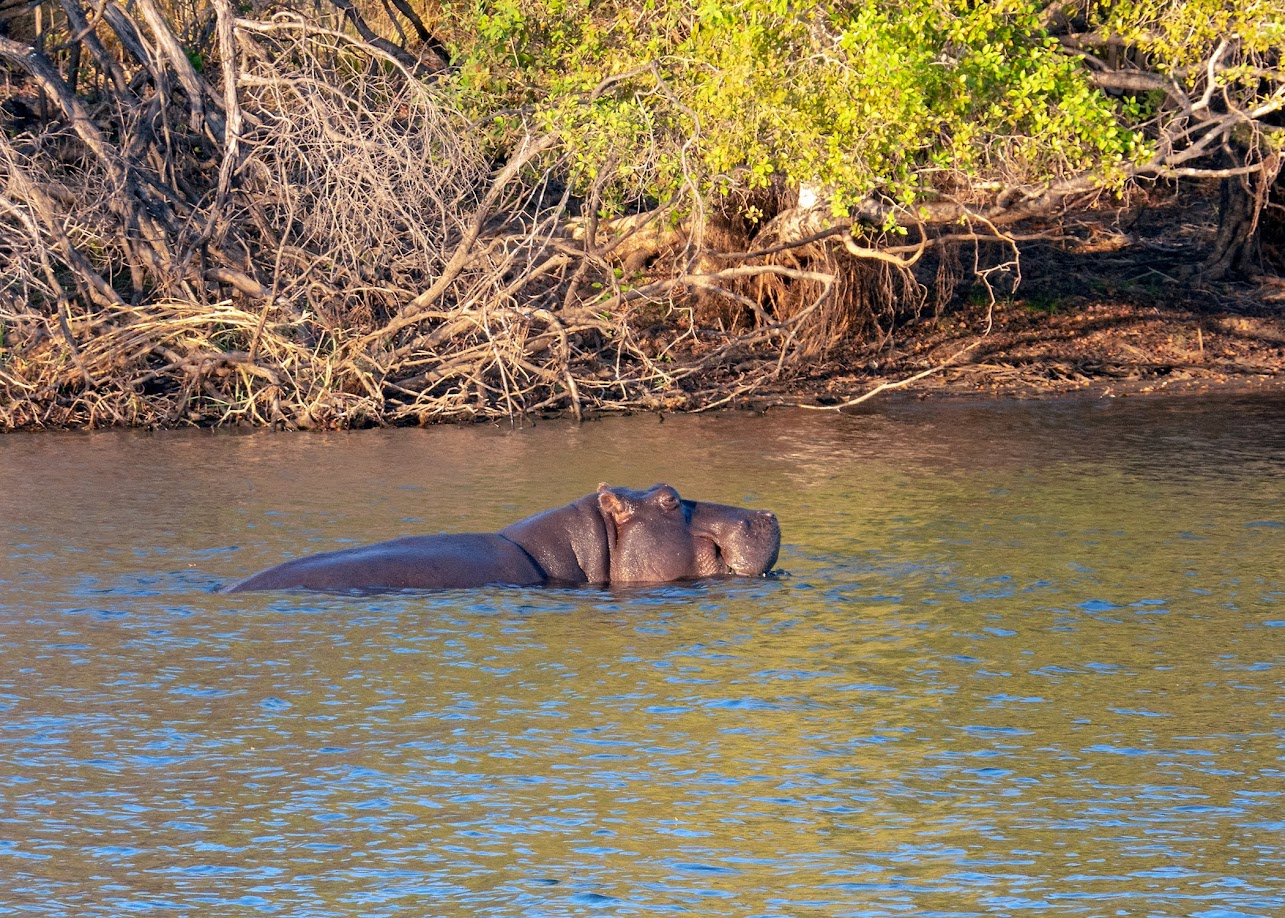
(1028, 660)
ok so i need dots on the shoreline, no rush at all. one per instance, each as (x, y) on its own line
(1106, 350)
(1035, 348)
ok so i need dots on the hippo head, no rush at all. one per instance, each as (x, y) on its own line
(655, 536)
(733, 540)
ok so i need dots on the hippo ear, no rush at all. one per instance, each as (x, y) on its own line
(613, 511)
(612, 507)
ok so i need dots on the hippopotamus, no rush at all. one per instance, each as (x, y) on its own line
(615, 535)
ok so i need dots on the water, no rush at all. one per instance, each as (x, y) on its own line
(1028, 661)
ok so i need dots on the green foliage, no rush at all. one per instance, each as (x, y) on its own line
(910, 98)
(1179, 36)
(1240, 43)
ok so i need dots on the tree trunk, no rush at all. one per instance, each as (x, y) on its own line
(1236, 247)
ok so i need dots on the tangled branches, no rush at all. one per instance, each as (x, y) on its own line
(315, 239)
(213, 219)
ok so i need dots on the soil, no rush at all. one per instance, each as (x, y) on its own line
(1103, 349)
(1123, 315)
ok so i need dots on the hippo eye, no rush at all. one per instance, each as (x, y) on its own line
(668, 501)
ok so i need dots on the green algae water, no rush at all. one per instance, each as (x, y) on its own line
(1026, 659)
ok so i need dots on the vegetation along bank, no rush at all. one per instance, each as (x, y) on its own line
(343, 213)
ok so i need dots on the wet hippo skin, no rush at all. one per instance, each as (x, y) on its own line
(615, 535)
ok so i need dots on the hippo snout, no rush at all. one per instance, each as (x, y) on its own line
(769, 532)
(752, 544)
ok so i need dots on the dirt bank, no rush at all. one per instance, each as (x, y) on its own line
(1129, 318)
(1103, 349)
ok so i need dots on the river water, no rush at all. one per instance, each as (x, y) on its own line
(1027, 660)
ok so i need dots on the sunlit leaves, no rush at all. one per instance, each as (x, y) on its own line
(1179, 34)
(908, 98)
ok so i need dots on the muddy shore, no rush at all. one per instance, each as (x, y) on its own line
(1129, 316)
(1032, 350)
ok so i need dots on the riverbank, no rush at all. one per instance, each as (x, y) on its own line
(555, 233)
(1127, 315)
(1032, 347)
(1038, 349)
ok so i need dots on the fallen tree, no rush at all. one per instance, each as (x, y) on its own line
(342, 219)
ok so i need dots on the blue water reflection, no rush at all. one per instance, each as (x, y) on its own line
(1027, 661)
